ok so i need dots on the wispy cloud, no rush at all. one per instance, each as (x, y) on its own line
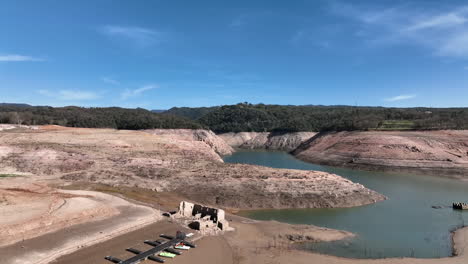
(444, 32)
(446, 20)
(138, 35)
(18, 58)
(238, 21)
(70, 95)
(136, 92)
(400, 97)
(110, 80)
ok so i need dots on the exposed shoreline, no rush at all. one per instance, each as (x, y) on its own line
(252, 242)
(284, 254)
(440, 153)
(91, 159)
(182, 161)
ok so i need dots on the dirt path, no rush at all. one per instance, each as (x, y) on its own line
(45, 248)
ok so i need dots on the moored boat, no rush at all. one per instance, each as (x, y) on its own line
(167, 255)
(460, 206)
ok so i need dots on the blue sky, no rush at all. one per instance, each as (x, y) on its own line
(159, 54)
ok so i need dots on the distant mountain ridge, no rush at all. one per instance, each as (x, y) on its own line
(15, 105)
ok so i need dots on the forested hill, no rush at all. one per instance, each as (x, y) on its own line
(191, 113)
(288, 118)
(243, 117)
(112, 117)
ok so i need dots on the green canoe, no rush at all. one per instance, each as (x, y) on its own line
(167, 255)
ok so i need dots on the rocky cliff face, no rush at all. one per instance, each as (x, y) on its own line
(434, 152)
(205, 136)
(266, 140)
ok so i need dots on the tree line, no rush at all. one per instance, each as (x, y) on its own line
(289, 118)
(243, 117)
(110, 117)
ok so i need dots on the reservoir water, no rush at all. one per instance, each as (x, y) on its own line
(405, 225)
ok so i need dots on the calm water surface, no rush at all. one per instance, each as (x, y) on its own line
(405, 225)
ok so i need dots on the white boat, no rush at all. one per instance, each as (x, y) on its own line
(181, 246)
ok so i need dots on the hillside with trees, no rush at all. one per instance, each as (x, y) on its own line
(111, 117)
(191, 113)
(289, 118)
(243, 117)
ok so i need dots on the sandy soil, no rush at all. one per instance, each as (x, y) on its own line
(32, 213)
(209, 249)
(424, 152)
(12, 126)
(181, 161)
(212, 249)
(40, 222)
(252, 242)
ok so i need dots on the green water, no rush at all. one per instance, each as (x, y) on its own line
(405, 225)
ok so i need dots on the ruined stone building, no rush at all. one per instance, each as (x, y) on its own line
(203, 217)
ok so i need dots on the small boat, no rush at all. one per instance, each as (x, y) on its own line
(460, 206)
(167, 255)
(183, 247)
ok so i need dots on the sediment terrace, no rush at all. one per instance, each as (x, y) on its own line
(186, 162)
(183, 161)
(443, 153)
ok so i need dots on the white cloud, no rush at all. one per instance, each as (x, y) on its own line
(443, 32)
(445, 20)
(110, 80)
(70, 95)
(17, 58)
(400, 97)
(139, 35)
(136, 92)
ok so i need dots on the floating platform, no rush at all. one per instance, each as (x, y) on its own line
(163, 248)
(460, 206)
